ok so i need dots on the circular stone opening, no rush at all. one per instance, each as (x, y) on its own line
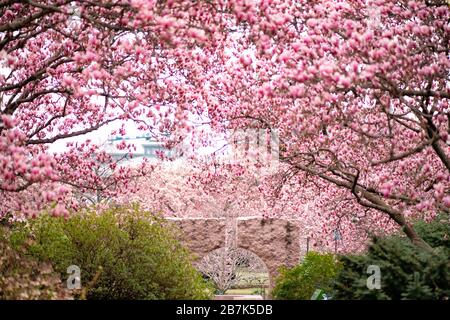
(235, 271)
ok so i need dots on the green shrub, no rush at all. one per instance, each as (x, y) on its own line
(134, 254)
(259, 291)
(25, 278)
(406, 271)
(317, 271)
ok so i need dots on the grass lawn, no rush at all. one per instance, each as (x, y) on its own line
(243, 291)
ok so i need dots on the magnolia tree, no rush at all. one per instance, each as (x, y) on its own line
(358, 91)
(68, 68)
(330, 219)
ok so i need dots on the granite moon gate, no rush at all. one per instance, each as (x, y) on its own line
(275, 241)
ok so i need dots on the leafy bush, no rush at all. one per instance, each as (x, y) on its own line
(133, 253)
(259, 291)
(25, 278)
(406, 271)
(317, 271)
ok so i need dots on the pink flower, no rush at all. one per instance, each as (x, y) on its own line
(166, 22)
(60, 211)
(297, 91)
(311, 23)
(246, 60)
(386, 188)
(446, 201)
(97, 74)
(7, 121)
(67, 80)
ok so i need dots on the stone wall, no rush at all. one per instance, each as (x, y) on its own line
(201, 236)
(275, 241)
